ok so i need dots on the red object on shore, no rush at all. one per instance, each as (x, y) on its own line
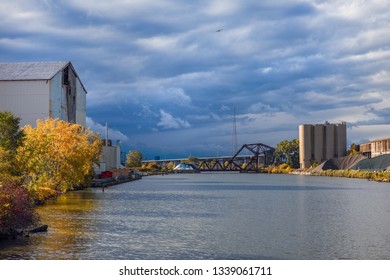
(106, 174)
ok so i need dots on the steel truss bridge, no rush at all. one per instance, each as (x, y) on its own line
(247, 159)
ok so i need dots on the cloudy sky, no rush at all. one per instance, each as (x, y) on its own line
(167, 82)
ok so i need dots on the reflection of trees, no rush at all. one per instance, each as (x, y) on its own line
(69, 219)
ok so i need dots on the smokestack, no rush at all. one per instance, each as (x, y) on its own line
(106, 134)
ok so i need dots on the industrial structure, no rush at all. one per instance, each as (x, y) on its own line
(375, 148)
(320, 142)
(110, 159)
(248, 158)
(40, 90)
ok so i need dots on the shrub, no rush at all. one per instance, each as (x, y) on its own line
(16, 208)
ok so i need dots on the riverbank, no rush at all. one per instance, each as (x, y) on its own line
(377, 176)
(106, 182)
(22, 233)
(17, 233)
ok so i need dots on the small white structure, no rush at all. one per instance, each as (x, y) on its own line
(111, 156)
(109, 159)
(185, 167)
(39, 90)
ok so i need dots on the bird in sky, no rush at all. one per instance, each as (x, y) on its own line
(219, 30)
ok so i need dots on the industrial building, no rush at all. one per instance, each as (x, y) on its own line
(320, 142)
(375, 148)
(110, 159)
(40, 90)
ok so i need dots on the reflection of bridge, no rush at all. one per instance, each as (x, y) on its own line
(247, 159)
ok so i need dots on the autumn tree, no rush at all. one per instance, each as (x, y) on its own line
(288, 152)
(134, 159)
(153, 166)
(170, 165)
(353, 150)
(191, 160)
(56, 156)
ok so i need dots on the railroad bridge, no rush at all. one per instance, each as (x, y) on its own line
(247, 159)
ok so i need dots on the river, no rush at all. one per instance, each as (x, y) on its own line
(215, 216)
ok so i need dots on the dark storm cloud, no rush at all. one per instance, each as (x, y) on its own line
(159, 73)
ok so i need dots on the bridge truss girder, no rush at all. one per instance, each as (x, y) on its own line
(258, 154)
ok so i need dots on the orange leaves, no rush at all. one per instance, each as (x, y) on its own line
(57, 155)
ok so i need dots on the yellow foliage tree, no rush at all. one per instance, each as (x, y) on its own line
(56, 156)
(170, 165)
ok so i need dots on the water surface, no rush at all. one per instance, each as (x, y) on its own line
(216, 216)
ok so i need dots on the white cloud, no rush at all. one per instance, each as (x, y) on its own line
(113, 134)
(261, 108)
(167, 121)
(178, 96)
(222, 7)
(119, 8)
(19, 44)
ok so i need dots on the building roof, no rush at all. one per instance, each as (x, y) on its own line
(21, 71)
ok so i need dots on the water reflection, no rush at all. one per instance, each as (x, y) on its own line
(216, 216)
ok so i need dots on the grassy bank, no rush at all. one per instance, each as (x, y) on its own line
(378, 176)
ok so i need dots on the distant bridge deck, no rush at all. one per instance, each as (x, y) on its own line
(257, 154)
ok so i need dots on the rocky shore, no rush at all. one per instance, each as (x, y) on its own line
(23, 233)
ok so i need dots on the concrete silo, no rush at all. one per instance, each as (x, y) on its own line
(341, 139)
(305, 145)
(320, 142)
(319, 148)
(329, 141)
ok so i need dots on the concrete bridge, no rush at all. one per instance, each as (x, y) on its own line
(247, 159)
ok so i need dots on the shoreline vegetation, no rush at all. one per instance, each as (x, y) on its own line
(39, 163)
(377, 176)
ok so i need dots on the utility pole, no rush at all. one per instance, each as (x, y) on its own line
(234, 134)
(106, 134)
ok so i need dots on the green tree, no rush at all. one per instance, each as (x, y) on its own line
(134, 159)
(288, 152)
(11, 137)
(7, 167)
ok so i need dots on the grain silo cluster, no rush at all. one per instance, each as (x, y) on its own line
(320, 142)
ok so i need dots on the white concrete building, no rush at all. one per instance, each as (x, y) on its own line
(38, 90)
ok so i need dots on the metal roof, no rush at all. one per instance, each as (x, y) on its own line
(19, 71)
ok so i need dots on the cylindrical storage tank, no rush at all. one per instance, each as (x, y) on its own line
(341, 139)
(329, 141)
(319, 135)
(305, 145)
